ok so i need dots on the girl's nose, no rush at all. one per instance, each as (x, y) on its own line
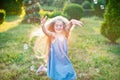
(59, 26)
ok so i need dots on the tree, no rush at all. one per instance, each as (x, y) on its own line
(111, 25)
(12, 7)
(99, 6)
(32, 8)
(2, 16)
(73, 11)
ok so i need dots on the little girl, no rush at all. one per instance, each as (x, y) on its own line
(57, 30)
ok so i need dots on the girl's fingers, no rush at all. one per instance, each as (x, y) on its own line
(43, 19)
(80, 23)
(76, 22)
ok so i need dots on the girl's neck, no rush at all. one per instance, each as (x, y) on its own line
(60, 34)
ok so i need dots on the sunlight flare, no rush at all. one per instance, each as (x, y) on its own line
(9, 25)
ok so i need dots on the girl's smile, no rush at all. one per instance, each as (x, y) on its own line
(58, 27)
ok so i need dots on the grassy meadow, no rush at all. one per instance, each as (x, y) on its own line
(91, 54)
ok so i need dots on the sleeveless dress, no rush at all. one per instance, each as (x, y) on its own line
(59, 66)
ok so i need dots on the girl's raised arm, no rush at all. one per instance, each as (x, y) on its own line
(43, 21)
(72, 23)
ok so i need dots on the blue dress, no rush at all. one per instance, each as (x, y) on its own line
(59, 66)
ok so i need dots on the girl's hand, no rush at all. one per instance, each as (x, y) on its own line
(76, 22)
(43, 20)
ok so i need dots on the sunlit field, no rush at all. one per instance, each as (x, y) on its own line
(91, 54)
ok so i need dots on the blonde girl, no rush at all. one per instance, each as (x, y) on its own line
(57, 31)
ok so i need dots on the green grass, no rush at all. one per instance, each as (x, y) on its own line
(90, 53)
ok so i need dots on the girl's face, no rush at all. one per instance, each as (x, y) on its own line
(58, 27)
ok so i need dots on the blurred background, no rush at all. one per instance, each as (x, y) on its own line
(94, 49)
